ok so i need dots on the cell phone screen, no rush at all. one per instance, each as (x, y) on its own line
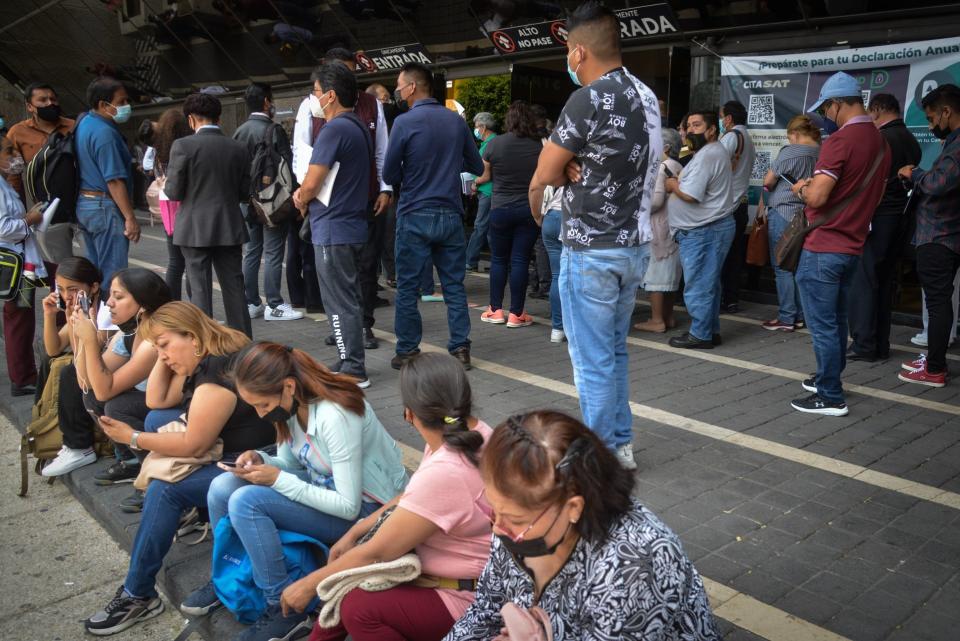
(94, 416)
(790, 179)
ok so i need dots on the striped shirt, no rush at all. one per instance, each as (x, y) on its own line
(798, 161)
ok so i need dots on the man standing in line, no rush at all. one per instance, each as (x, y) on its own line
(210, 175)
(266, 241)
(610, 129)
(938, 234)
(846, 186)
(429, 147)
(370, 112)
(105, 207)
(341, 154)
(700, 209)
(736, 140)
(871, 292)
(483, 124)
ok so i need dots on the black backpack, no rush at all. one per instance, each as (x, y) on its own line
(271, 181)
(53, 173)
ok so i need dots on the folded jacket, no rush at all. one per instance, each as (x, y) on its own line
(372, 578)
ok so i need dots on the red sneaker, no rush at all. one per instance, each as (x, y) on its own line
(776, 325)
(919, 363)
(923, 377)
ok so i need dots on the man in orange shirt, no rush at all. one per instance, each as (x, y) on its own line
(28, 136)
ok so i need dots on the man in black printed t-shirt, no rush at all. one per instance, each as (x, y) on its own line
(607, 140)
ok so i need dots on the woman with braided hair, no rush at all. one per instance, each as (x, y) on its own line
(570, 539)
(441, 515)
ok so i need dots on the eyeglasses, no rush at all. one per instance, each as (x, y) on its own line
(490, 514)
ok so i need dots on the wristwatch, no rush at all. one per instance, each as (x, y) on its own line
(133, 439)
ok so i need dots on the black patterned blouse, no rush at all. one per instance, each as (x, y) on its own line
(639, 585)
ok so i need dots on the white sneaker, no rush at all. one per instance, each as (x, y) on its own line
(921, 340)
(282, 312)
(68, 459)
(255, 310)
(364, 384)
(557, 336)
(625, 456)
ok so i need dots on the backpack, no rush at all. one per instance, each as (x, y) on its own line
(232, 572)
(43, 439)
(53, 173)
(272, 182)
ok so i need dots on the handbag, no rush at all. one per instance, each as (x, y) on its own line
(790, 246)
(173, 469)
(524, 625)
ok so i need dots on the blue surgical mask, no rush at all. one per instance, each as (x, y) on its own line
(123, 113)
(476, 134)
(723, 128)
(2, 123)
(573, 72)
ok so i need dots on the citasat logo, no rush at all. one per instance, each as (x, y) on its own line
(766, 84)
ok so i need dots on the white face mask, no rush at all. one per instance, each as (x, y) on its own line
(15, 166)
(315, 109)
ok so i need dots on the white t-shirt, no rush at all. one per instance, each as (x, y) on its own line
(708, 179)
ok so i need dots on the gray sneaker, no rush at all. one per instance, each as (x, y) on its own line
(122, 612)
(201, 602)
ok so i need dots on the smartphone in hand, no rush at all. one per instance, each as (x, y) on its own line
(790, 179)
(95, 417)
(83, 301)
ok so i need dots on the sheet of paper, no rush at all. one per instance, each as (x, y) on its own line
(327, 190)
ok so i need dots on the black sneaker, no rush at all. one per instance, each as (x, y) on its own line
(810, 384)
(122, 612)
(276, 627)
(330, 341)
(133, 503)
(813, 404)
(201, 602)
(462, 354)
(369, 340)
(119, 472)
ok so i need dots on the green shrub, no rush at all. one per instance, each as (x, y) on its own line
(485, 93)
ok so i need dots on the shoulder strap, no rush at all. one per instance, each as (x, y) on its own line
(840, 206)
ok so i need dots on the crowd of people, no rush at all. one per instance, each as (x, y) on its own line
(261, 439)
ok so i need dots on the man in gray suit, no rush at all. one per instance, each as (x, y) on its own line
(210, 175)
(268, 242)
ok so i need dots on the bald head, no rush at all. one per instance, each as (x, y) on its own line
(595, 28)
(379, 92)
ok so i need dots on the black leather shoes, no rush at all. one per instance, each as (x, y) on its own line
(399, 360)
(369, 340)
(690, 342)
(462, 354)
(853, 355)
(22, 390)
(330, 341)
(717, 340)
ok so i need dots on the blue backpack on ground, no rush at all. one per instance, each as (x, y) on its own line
(233, 573)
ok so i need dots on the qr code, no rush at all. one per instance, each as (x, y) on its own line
(761, 110)
(760, 165)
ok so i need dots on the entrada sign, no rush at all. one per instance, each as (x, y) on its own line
(392, 58)
(637, 22)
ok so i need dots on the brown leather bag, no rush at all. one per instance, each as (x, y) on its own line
(758, 243)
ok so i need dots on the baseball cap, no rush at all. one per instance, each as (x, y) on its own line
(839, 85)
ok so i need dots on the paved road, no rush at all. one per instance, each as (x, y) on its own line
(59, 565)
(804, 527)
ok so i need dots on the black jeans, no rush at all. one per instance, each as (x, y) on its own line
(176, 266)
(129, 407)
(338, 267)
(389, 241)
(937, 267)
(370, 266)
(75, 424)
(302, 283)
(871, 294)
(733, 265)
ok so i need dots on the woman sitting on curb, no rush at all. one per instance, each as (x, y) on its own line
(193, 354)
(571, 540)
(440, 516)
(335, 462)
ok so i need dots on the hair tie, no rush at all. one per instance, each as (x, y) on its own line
(288, 348)
(450, 420)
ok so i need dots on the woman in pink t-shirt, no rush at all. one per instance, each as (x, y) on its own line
(441, 515)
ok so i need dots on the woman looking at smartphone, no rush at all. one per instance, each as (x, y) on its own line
(114, 378)
(335, 463)
(193, 355)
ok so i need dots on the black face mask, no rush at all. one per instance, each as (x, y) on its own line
(530, 548)
(400, 102)
(696, 142)
(280, 415)
(50, 113)
(940, 131)
(130, 326)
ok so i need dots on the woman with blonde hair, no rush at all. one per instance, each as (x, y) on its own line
(194, 352)
(794, 162)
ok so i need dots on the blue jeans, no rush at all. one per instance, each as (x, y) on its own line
(158, 418)
(271, 244)
(162, 507)
(551, 242)
(824, 280)
(598, 288)
(479, 235)
(257, 513)
(422, 236)
(102, 225)
(427, 286)
(702, 253)
(513, 233)
(789, 298)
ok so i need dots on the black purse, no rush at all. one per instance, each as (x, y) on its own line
(11, 273)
